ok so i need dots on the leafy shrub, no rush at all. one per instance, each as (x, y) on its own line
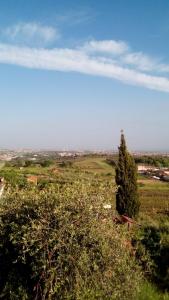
(43, 183)
(65, 164)
(13, 178)
(46, 163)
(158, 252)
(57, 245)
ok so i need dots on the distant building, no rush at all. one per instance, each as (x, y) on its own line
(146, 168)
(166, 172)
(156, 177)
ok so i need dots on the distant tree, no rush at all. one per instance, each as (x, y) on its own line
(46, 163)
(127, 200)
(28, 163)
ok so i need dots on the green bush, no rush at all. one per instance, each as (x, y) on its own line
(149, 292)
(152, 241)
(62, 244)
(13, 178)
(46, 163)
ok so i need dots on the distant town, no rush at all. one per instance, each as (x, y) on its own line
(7, 155)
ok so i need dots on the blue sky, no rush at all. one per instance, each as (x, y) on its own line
(74, 73)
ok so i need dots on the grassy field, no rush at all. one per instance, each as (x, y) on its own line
(96, 165)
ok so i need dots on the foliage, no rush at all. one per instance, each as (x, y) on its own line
(152, 238)
(157, 161)
(62, 244)
(46, 163)
(111, 162)
(127, 202)
(150, 292)
(25, 216)
(28, 163)
(43, 183)
(65, 163)
(13, 178)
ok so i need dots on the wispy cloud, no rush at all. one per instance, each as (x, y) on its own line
(76, 16)
(139, 60)
(109, 58)
(78, 60)
(121, 53)
(30, 34)
(106, 46)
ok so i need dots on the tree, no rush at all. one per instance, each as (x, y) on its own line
(127, 200)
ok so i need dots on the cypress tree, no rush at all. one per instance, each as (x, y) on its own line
(127, 200)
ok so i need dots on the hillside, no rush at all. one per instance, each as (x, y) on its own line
(59, 238)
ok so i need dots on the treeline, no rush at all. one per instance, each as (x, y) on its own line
(157, 161)
(26, 162)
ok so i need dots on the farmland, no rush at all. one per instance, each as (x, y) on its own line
(154, 194)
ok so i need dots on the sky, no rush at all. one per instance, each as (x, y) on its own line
(74, 73)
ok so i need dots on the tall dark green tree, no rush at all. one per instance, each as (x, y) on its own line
(127, 199)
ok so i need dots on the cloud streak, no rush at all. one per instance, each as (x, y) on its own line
(106, 46)
(110, 59)
(30, 34)
(126, 57)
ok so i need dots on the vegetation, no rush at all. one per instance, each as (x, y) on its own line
(58, 240)
(153, 238)
(127, 202)
(56, 246)
(157, 161)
